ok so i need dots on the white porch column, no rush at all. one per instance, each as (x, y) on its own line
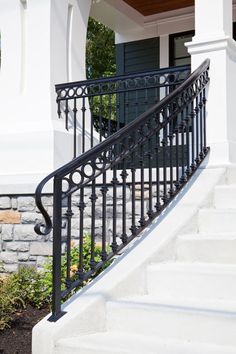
(42, 43)
(213, 40)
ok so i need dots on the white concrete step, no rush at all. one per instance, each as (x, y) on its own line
(231, 175)
(192, 280)
(212, 323)
(209, 248)
(225, 196)
(128, 343)
(217, 221)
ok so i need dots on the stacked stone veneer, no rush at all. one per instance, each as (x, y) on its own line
(20, 245)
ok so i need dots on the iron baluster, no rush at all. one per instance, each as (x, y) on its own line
(164, 145)
(91, 121)
(124, 176)
(100, 117)
(197, 130)
(192, 116)
(157, 150)
(177, 182)
(68, 215)
(109, 115)
(81, 235)
(83, 109)
(114, 182)
(149, 156)
(118, 113)
(93, 199)
(182, 129)
(67, 114)
(58, 108)
(104, 191)
(75, 127)
(201, 154)
(133, 172)
(141, 164)
(204, 122)
(187, 117)
(170, 137)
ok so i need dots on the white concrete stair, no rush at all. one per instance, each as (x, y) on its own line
(217, 221)
(188, 301)
(225, 196)
(207, 248)
(231, 175)
(129, 343)
(192, 281)
(182, 320)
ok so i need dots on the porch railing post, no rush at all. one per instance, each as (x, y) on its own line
(56, 268)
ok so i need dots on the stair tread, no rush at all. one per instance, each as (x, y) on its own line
(196, 267)
(226, 186)
(122, 342)
(208, 236)
(214, 306)
(217, 210)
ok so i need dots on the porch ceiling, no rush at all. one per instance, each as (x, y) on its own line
(151, 7)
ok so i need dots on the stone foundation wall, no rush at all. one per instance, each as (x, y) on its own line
(20, 245)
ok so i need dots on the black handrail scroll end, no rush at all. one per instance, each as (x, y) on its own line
(43, 228)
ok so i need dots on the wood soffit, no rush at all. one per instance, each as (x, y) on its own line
(151, 7)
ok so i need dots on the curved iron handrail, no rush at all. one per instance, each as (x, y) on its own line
(44, 229)
(121, 98)
(160, 150)
(121, 83)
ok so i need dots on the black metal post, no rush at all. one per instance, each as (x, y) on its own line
(56, 268)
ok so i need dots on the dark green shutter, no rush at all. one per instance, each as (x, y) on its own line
(134, 57)
(137, 56)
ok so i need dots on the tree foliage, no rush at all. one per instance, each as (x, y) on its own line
(100, 53)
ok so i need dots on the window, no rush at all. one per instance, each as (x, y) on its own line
(178, 52)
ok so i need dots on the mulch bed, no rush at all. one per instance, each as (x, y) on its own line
(17, 339)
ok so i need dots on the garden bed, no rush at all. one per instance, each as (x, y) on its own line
(17, 339)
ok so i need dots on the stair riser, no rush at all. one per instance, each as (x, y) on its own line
(185, 284)
(169, 323)
(225, 197)
(150, 349)
(209, 251)
(231, 175)
(82, 350)
(219, 222)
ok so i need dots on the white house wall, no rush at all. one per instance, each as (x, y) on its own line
(42, 44)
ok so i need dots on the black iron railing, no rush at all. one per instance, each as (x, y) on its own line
(108, 104)
(104, 185)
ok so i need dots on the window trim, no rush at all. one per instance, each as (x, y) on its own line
(171, 44)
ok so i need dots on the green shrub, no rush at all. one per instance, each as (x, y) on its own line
(19, 289)
(47, 273)
(10, 302)
(27, 286)
(31, 286)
